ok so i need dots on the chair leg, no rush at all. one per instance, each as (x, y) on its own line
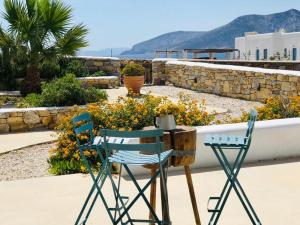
(118, 197)
(140, 194)
(153, 195)
(232, 173)
(192, 194)
(93, 189)
(164, 195)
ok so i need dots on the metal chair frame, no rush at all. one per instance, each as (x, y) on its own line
(219, 143)
(132, 154)
(94, 143)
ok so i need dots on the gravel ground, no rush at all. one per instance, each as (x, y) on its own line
(25, 163)
(233, 106)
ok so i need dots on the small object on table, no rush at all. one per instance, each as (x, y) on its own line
(183, 142)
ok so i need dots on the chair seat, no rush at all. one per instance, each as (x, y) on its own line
(96, 142)
(136, 158)
(218, 140)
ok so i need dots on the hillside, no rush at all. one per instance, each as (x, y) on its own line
(223, 36)
(165, 41)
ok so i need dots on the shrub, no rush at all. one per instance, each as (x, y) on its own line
(125, 114)
(275, 108)
(65, 91)
(9, 100)
(133, 69)
(76, 67)
(50, 70)
(99, 73)
(279, 108)
(192, 113)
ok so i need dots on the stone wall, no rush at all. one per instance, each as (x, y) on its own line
(158, 71)
(111, 65)
(101, 82)
(16, 120)
(247, 83)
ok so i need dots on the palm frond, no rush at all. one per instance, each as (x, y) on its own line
(72, 40)
(56, 16)
(13, 9)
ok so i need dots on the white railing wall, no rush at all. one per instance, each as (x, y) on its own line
(273, 139)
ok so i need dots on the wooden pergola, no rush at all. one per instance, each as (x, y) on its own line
(195, 52)
(168, 53)
(210, 51)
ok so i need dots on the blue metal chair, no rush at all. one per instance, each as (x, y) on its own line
(140, 155)
(218, 143)
(83, 125)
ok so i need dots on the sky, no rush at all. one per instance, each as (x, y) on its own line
(123, 23)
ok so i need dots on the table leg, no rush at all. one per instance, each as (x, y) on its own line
(153, 195)
(192, 194)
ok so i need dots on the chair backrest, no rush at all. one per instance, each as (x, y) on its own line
(83, 124)
(153, 148)
(251, 123)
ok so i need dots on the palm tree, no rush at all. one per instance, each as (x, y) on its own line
(43, 28)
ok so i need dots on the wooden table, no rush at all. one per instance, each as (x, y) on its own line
(183, 141)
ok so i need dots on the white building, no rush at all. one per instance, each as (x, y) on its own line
(270, 46)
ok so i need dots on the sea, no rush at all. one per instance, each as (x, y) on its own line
(137, 56)
(148, 56)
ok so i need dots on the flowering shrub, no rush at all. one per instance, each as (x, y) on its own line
(274, 108)
(191, 113)
(128, 113)
(166, 107)
(278, 108)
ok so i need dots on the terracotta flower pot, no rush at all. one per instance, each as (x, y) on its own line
(134, 83)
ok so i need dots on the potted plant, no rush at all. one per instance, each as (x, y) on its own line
(165, 113)
(133, 77)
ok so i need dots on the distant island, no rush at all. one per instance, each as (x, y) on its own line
(221, 37)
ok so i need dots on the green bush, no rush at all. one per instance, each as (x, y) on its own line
(76, 67)
(61, 167)
(50, 70)
(133, 69)
(65, 91)
(99, 73)
(9, 100)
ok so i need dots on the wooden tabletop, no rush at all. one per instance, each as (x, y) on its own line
(182, 140)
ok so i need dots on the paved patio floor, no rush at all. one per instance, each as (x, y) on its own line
(13, 141)
(274, 191)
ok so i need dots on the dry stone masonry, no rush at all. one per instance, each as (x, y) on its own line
(111, 65)
(15, 120)
(247, 83)
(100, 82)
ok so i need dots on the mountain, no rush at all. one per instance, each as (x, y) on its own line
(222, 37)
(165, 41)
(103, 52)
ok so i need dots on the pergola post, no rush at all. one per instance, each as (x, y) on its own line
(184, 54)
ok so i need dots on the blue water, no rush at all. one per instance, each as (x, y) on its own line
(137, 56)
(152, 56)
(148, 56)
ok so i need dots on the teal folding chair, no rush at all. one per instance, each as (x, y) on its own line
(83, 125)
(139, 155)
(219, 143)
